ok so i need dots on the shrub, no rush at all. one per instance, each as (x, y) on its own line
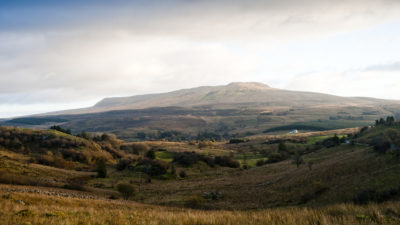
(150, 154)
(7, 178)
(282, 146)
(236, 141)
(58, 128)
(261, 162)
(182, 174)
(25, 212)
(126, 190)
(274, 157)
(189, 158)
(194, 202)
(205, 144)
(298, 160)
(47, 160)
(101, 168)
(382, 146)
(135, 148)
(123, 163)
(152, 167)
(60, 162)
(371, 195)
(226, 161)
(77, 183)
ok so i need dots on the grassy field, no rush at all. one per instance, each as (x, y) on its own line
(51, 210)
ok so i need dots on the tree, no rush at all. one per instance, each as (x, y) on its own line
(336, 139)
(282, 146)
(390, 120)
(84, 135)
(141, 135)
(298, 159)
(173, 170)
(101, 168)
(310, 164)
(274, 157)
(182, 174)
(58, 128)
(150, 154)
(126, 190)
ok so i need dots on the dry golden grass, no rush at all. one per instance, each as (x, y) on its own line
(50, 210)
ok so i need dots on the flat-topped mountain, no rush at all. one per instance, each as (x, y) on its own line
(236, 109)
(250, 94)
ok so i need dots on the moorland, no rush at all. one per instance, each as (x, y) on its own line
(243, 153)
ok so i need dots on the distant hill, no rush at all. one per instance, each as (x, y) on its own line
(240, 93)
(236, 109)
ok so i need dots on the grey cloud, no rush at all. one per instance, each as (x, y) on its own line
(206, 19)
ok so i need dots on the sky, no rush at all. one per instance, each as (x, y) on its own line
(57, 55)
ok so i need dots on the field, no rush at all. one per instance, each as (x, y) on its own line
(52, 210)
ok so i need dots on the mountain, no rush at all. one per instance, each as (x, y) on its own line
(236, 109)
(218, 97)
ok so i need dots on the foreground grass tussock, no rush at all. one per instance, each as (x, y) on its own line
(39, 209)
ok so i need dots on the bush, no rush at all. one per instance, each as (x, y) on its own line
(182, 174)
(77, 183)
(194, 202)
(123, 163)
(7, 178)
(47, 160)
(58, 128)
(236, 141)
(274, 157)
(261, 162)
(282, 146)
(382, 147)
(101, 168)
(226, 161)
(152, 167)
(126, 190)
(151, 154)
(186, 158)
(189, 158)
(371, 195)
(135, 148)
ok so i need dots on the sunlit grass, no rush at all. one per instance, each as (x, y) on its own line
(57, 210)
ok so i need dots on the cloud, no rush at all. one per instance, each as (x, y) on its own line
(385, 67)
(58, 53)
(88, 68)
(356, 83)
(211, 20)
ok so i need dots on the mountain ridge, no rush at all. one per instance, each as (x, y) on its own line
(233, 110)
(246, 93)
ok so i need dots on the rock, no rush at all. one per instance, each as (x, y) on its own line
(20, 202)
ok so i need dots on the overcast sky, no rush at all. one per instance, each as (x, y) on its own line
(58, 55)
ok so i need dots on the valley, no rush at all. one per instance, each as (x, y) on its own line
(241, 153)
(354, 171)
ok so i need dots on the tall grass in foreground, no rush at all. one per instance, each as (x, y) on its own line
(57, 210)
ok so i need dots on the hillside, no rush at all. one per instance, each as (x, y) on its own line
(357, 166)
(342, 176)
(220, 112)
(233, 95)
